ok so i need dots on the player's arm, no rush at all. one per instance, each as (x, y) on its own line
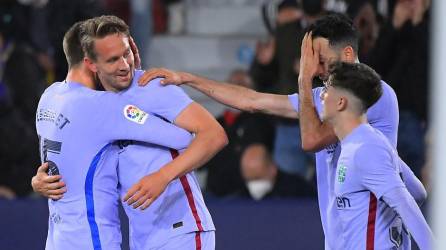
(51, 187)
(209, 139)
(380, 175)
(119, 119)
(413, 184)
(231, 95)
(403, 203)
(315, 134)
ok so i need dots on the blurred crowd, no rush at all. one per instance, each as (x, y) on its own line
(264, 158)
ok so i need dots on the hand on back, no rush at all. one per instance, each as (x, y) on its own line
(48, 186)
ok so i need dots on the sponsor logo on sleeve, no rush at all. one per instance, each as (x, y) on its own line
(134, 114)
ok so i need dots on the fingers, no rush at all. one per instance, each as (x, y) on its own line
(132, 191)
(43, 168)
(55, 197)
(55, 185)
(310, 42)
(135, 51)
(56, 192)
(307, 44)
(134, 198)
(142, 200)
(302, 45)
(51, 178)
(53, 190)
(152, 74)
(147, 204)
(138, 199)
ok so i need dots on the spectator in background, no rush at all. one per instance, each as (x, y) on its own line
(242, 129)
(17, 56)
(141, 26)
(401, 57)
(48, 24)
(176, 16)
(276, 57)
(139, 14)
(21, 83)
(263, 179)
(364, 17)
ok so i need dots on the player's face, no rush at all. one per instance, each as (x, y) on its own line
(115, 62)
(329, 55)
(330, 98)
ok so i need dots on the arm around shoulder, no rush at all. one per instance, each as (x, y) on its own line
(238, 97)
(210, 138)
(243, 98)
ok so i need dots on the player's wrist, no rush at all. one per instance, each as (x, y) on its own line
(305, 80)
(191, 80)
(186, 77)
(166, 174)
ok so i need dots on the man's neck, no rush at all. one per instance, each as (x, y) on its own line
(80, 75)
(343, 126)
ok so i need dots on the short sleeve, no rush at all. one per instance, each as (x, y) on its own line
(294, 100)
(379, 172)
(165, 101)
(384, 114)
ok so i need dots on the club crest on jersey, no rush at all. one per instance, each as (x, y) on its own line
(342, 169)
(134, 114)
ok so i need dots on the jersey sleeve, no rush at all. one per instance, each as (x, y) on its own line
(120, 120)
(413, 184)
(378, 171)
(165, 101)
(384, 114)
(294, 100)
(403, 203)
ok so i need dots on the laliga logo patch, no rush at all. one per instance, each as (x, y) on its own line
(134, 114)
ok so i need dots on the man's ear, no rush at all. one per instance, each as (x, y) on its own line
(90, 65)
(342, 103)
(348, 54)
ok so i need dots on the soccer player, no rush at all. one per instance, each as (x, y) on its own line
(334, 39)
(371, 199)
(95, 121)
(180, 217)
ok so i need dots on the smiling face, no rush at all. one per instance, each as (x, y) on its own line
(114, 64)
